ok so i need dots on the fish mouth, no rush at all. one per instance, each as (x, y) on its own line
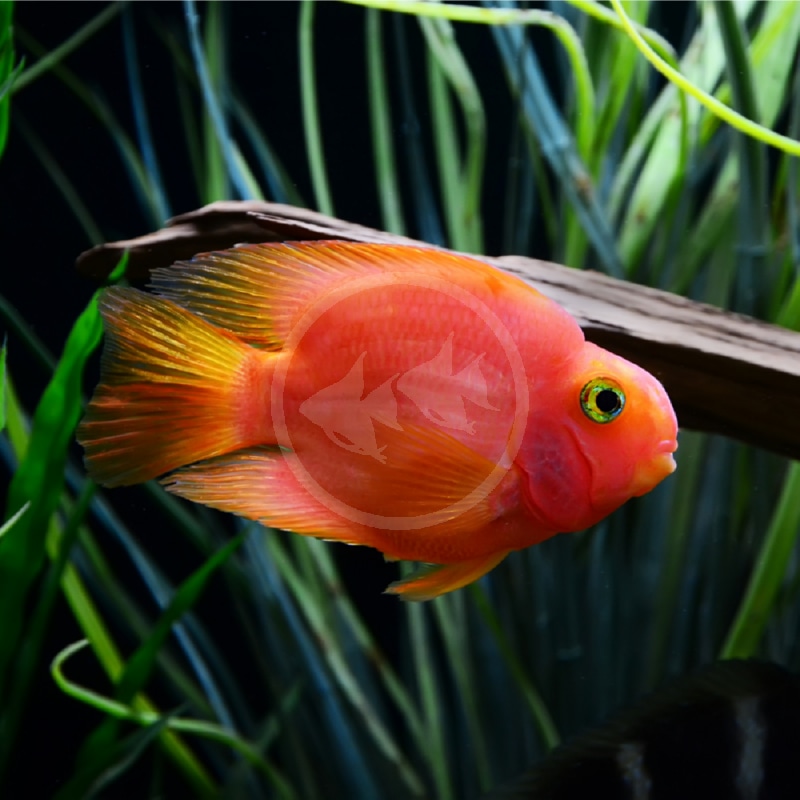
(652, 472)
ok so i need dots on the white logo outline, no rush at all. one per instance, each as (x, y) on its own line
(518, 424)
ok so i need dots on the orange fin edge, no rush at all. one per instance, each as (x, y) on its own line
(259, 484)
(169, 392)
(433, 580)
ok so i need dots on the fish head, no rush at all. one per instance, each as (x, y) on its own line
(609, 434)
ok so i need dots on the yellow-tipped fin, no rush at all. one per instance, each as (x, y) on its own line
(259, 291)
(173, 390)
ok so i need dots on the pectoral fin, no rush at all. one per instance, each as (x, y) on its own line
(432, 580)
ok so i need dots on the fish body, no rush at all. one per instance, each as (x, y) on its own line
(730, 730)
(418, 402)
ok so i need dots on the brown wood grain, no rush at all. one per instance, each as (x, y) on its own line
(726, 373)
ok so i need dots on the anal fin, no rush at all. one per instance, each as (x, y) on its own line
(259, 484)
(434, 580)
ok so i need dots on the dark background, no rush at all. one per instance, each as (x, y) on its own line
(41, 237)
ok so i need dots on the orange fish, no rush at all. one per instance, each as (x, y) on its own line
(419, 402)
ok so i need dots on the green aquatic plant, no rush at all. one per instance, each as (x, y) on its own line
(314, 699)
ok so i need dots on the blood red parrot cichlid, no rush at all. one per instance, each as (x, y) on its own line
(416, 401)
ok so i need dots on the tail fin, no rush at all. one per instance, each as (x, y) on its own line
(174, 390)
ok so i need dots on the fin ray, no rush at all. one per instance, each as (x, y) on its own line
(259, 291)
(169, 394)
(429, 472)
(259, 484)
(433, 580)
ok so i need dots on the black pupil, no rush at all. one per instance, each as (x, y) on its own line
(607, 401)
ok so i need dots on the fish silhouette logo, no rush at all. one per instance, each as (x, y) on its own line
(347, 418)
(436, 382)
(331, 409)
(440, 395)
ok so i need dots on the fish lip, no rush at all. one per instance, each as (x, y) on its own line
(661, 465)
(666, 446)
(668, 459)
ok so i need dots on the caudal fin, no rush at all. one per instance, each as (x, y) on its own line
(174, 390)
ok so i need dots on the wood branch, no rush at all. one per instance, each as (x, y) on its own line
(726, 373)
(221, 225)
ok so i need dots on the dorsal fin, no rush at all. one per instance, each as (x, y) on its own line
(259, 291)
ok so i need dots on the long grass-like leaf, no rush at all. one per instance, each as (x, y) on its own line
(558, 146)
(313, 612)
(65, 186)
(281, 187)
(430, 693)
(462, 182)
(427, 215)
(163, 594)
(673, 558)
(278, 181)
(452, 623)
(3, 361)
(394, 686)
(202, 728)
(780, 32)
(616, 63)
(140, 116)
(10, 522)
(733, 118)
(89, 620)
(212, 103)
(29, 653)
(455, 12)
(8, 76)
(356, 775)
(102, 111)
(51, 58)
(447, 149)
(126, 753)
(531, 695)
(752, 163)
(91, 623)
(39, 479)
(311, 124)
(747, 629)
(98, 749)
(380, 116)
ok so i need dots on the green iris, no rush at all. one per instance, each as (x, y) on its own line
(602, 400)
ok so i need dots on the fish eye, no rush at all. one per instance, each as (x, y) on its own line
(602, 400)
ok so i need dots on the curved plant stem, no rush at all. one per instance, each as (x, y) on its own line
(197, 727)
(733, 118)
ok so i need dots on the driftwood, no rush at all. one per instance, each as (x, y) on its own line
(726, 373)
